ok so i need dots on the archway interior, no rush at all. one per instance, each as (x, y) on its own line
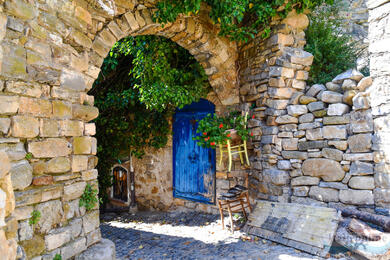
(142, 81)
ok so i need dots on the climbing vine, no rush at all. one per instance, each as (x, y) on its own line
(238, 20)
(142, 81)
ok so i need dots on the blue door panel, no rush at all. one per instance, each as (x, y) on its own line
(193, 166)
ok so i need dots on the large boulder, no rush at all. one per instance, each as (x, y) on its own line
(326, 169)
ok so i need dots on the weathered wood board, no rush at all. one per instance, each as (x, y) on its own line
(307, 228)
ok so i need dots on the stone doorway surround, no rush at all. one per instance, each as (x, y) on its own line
(50, 55)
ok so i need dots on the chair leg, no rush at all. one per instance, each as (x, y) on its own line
(243, 209)
(220, 154)
(246, 153)
(230, 156)
(240, 153)
(221, 214)
(247, 199)
(231, 217)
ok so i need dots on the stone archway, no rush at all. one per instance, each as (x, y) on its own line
(50, 55)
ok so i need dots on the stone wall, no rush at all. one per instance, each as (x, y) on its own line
(379, 36)
(50, 55)
(8, 243)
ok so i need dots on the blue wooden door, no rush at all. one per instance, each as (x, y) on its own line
(193, 165)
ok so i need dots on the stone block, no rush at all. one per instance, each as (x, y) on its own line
(315, 89)
(331, 97)
(43, 180)
(337, 109)
(79, 163)
(298, 84)
(358, 157)
(72, 80)
(94, 237)
(58, 165)
(49, 148)
(74, 248)
(24, 89)
(5, 124)
(25, 127)
(361, 102)
(5, 164)
(33, 247)
(90, 128)
(290, 144)
(334, 132)
(361, 168)
(341, 145)
(85, 113)
(348, 84)
(362, 183)
(382, 196)
(9, 104)
(21, 9)
(324, 194)
(91, 221)
(25, 231)
(306, 118)
(305, 126)
(348, 96)
(35, 107)
(89, 175)
(49, 128)
(300, 191)
(297, 56)
(296, 110)
(52, 214)
(276, 177)
(314, 134)
(349, 74)
(364, 83)
(83, 145)
(21, 174)
(308, 145)
(336, 120)
(360, 143)
(305, 180)
(294, 155)
(71, 128)
(315, 106)
(327, 169)
(104, 250)
(356, 197)
(284, 164)
(361, 121)
(57, 238)
(333, 185)
(333, 87)
(304, 100)
(320, 113)
(286, 119)
(74, 191)
(333, 154)
(62, 109)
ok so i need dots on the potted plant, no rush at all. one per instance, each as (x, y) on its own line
(215, 130)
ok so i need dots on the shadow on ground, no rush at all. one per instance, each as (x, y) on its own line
(158, 235)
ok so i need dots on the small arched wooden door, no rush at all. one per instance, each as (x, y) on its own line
(193, 165)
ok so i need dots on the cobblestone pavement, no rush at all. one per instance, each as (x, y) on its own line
(157, 235)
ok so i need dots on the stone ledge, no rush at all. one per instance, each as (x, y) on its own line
(104, 250)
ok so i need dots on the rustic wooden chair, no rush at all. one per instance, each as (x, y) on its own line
(235, 149)
(234, 204)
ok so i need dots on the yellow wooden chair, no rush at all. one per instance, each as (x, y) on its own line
(236, 149)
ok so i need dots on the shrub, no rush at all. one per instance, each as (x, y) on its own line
(89, 198)
(334, 51)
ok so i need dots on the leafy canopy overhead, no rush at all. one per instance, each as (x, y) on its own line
(239, 20)
(142, 81)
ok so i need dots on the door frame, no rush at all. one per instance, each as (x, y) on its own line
(203, 105)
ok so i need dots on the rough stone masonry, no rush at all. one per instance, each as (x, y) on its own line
(51, 53)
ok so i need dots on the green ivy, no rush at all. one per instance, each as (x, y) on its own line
(334, 51)
(57, 257)
(239, 20)
(35, 217)
(142, 81)
(89, 198)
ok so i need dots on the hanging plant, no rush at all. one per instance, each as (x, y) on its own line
(215, 130)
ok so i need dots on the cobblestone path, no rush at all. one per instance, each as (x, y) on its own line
(148, 235)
